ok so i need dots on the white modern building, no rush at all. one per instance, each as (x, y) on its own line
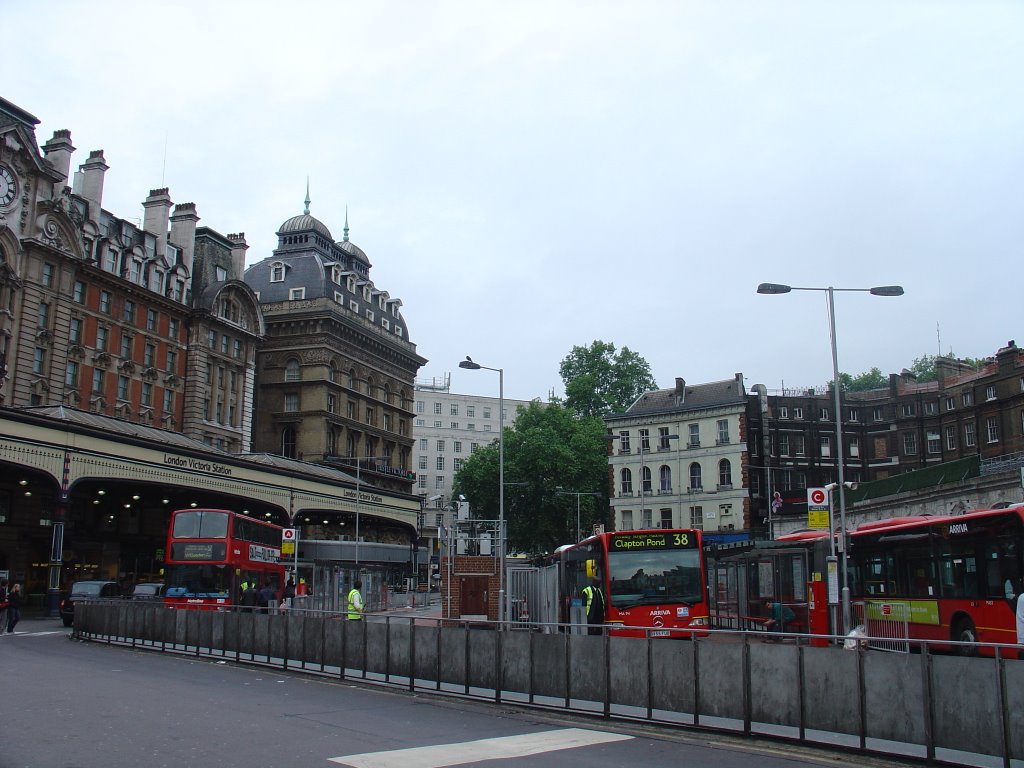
(447, 429)
(679, 456)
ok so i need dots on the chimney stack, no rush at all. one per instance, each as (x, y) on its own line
(89, 180)
(183, 232)
(238, 249)
(58, 152)
(1008, 357)
(158, 211)
(680, 388)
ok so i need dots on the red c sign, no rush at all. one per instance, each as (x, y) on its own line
(818, 496)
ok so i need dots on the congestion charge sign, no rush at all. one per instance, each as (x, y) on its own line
(668, 540)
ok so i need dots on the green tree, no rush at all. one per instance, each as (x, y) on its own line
(548, 448)
(923, 368)
(598, 380)
(873, 379)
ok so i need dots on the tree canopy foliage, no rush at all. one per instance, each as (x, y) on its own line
(549, 448)
(598, 380)
(873, 379)
(923, 369)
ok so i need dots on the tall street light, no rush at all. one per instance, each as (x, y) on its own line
(883, 290)
(640, 439)
(469, 365)
(359, 495)
(559, 491)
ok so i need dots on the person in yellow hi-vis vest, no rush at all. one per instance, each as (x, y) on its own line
(355, 602)
(593, 603)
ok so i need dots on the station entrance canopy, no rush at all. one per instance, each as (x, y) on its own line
(93, 494)
(72, 446)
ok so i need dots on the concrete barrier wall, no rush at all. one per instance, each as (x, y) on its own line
(873, 698)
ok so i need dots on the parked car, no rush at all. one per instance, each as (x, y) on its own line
(86, 590)
(148, 591)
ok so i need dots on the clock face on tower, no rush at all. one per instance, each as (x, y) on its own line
(8, 186)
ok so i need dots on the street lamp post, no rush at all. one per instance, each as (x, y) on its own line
(640, 439)
(559, 491)
(359, 495)
(883, 290)
(470, 365)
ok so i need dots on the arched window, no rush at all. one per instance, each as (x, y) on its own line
(229, 310)
(332, 373)
(291, 370)
(332, 441)
(627, 482)
(666, 478)
(351, 446)
(695, 476)
(645, 478)
(724, 473)
(288, 443)
(352, 379)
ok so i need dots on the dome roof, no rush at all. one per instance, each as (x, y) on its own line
(305, 223)
(349, 247)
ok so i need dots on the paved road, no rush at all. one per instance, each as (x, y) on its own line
(70, 704)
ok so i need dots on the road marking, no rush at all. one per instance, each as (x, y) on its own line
(39, 634)
(441, 755)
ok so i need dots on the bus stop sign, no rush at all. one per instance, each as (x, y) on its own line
(288, 538)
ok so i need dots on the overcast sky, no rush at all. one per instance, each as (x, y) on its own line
(532, 176)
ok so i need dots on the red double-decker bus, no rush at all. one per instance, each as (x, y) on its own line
(955, 577)
(654, 580)
(212, 552)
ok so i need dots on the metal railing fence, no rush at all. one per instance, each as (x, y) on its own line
(943, 708)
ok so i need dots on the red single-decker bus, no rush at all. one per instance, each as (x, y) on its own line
(654, 580)
(955, 577)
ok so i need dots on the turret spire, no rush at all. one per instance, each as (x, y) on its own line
(344, 234)
(306, 210)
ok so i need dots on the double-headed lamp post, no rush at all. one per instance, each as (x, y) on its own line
(830, 489)
(640, 440)
(882, 290)
(470, 365)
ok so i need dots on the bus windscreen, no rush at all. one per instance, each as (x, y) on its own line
(639, 577)
(199, 580)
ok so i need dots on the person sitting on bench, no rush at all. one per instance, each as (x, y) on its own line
(779, 616)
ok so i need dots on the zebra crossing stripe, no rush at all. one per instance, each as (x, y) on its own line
(441, 755)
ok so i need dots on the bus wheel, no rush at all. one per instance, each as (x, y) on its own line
(965, 632)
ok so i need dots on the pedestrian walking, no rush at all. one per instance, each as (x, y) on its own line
(266, 595)
(1020, 623)
(3, 605)
(14, 599)
(355, 602)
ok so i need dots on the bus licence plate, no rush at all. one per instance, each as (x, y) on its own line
(660, 633)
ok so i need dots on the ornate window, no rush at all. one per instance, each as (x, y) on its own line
(288, 443)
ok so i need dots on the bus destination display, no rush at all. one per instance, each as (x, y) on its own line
(625, 542)
(198, 550)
